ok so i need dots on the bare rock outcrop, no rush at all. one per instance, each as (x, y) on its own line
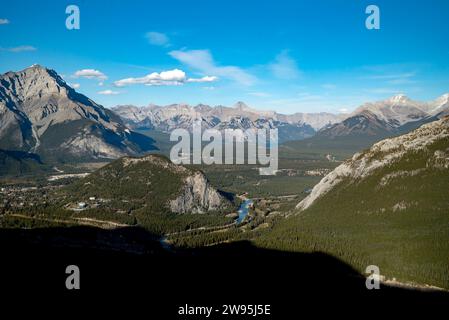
(197, 196)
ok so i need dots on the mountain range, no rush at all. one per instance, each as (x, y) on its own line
(166, 118)
(40, 113)
(395, 115)
(377, 120)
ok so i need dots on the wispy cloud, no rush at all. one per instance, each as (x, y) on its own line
(310, 102)
(19, 49)
(108, 92)
(158, 39)
(74, 85)
(173, 77)
(399, 81)
(285, 67)
(391, 76)
(203, 62)
(260, 94)
(383, 91)
(90, 74)
(4, 21)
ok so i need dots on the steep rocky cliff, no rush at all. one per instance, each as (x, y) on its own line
(197, 196)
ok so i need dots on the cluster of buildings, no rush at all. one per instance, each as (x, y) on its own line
(91, 203)
(18, 197)
(317, 172)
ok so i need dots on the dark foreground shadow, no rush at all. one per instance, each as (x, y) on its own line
(130, 263)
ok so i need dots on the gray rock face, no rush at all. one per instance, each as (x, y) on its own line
(41, 113)
(197, 196)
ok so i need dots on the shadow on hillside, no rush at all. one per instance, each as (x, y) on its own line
(129, 261)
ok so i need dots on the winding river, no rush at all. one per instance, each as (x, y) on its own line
(243, 210)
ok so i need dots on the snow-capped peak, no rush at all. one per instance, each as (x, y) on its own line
(399, 98)
(396, 110)
(439, 104)
(443, 99)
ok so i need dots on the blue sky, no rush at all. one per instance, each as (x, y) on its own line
(288, 56)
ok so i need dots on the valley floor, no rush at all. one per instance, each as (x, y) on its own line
(265, 227)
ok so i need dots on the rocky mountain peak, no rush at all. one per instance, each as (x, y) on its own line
(32, 82)
(40, 113)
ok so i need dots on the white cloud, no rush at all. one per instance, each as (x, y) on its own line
(202, 61)
(165, 78)
(90, 74)
(158, 39)
(171, 77)
(74, 85)
(4, 21)
(203, 79)
(343, 110)
(19, 49)
(285, 67)
(108, 92)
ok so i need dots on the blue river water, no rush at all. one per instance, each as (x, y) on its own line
(243, 210)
